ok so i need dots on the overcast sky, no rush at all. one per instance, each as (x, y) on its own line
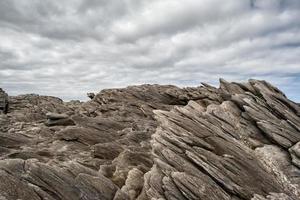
(69, 47)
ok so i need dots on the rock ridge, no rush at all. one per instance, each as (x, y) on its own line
(240, 141)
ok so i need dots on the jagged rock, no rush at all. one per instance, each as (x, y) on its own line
(108, 150)
(134, 183)
(295, 153)
(56, 116)
(236, 142)
(272, 196)
(91, 95)
(92, 187)
(86, 136)
(12, 188)
(55, 119)
(3, 101)
(277, 160)
(208, 141)
(12, 140)
(60, 122)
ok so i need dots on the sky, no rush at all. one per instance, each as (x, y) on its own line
(67, 48)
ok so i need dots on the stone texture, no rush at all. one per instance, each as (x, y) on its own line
(3, 101)
(56, 119)
(240, 141)
(295, 153)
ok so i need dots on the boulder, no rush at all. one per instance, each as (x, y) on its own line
(56, 116)
(3, 101)
(56, 119)
(91, 95)
(109, 150)
(295, 153)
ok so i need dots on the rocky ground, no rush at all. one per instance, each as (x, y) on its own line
(237, 142)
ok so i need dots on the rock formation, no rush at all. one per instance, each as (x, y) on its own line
(91, 95)
(55, 119)
(240, 141)
(3, 101)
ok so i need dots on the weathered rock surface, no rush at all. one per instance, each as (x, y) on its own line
(240, 141)
(91, 95)
(3, 101)
(56, 119)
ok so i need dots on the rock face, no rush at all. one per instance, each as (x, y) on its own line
(240, 141)
(55, 119)
(91, 95)
(3, 101)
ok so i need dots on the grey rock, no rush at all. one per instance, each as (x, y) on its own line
(3, 101)
(12, 140)
(151, 142)
(56, 119)
(56, 116)
(295, 153)
(91, 95)
(109, 150)
(12, 188)
(60, 122)
(95, 187)
(272, 196)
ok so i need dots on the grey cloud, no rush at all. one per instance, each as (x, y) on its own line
(67, 48)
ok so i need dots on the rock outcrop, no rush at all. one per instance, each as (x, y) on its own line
(91, 95)
(237, 142)
(3, 101)
(55, 119)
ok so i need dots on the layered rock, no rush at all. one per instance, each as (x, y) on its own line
(3, 101)
(236, 149)
(56, 119)
(238, 141)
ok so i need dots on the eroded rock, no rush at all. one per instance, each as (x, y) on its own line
(3, 101)
(56, 119)
(236, 142)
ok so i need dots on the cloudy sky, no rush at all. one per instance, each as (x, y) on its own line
(69, 47)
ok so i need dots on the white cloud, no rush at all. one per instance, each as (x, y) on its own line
(70, 47)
